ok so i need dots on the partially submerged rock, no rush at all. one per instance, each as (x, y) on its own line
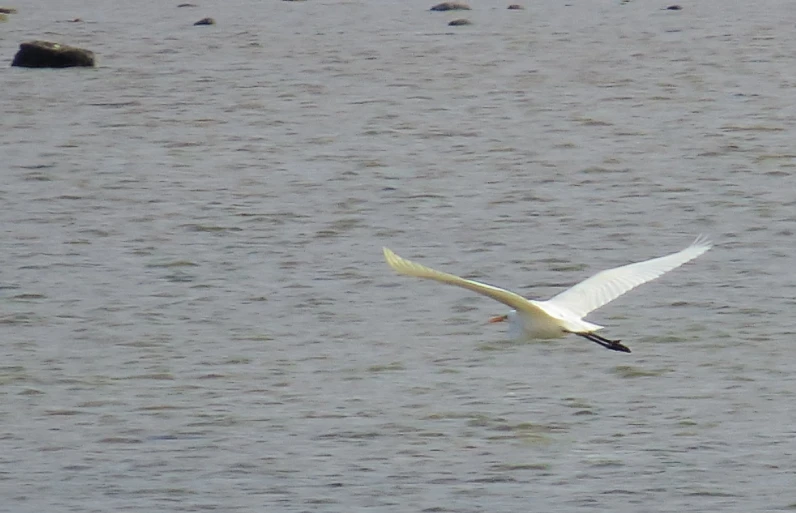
(451, 6)
(460, 21)
(516, 7)
(7, 10)
(205, 21)
(44, 54)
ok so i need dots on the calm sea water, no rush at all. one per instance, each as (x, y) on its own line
(195, 311)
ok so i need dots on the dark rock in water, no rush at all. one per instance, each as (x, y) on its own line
(205, 21)
(674, 8)
(44, 54)
(187, 5)
(7, 10)
(460, 21)
(516, 7)
(451, 6)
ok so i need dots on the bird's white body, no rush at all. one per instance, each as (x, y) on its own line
(548, 322)
(564, 313)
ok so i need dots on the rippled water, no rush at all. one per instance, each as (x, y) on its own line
(195, 310)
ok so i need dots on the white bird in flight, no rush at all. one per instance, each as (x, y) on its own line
(564, 313)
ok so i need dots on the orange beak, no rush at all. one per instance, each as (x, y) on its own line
(498, 318)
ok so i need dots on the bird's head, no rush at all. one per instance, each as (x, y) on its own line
(515, 326)
(498, 318)
(510, 317)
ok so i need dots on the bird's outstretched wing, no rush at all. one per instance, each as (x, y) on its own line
(409, 268)
(608, 285)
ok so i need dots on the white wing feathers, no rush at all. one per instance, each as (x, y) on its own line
(506, 297)
(608, 285)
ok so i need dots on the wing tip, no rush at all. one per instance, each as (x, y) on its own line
(389, 255)
(702, 241)
(397, 263)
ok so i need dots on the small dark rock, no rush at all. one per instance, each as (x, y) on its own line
(7, 10)
(205, 21)
(187, 5)
(674, 8)
(44, 54)
(516, 7)
(451, 6)
(460, 21)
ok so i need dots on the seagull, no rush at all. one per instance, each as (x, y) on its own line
(563, 314)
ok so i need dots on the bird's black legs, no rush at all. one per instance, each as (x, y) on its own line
(613, 345)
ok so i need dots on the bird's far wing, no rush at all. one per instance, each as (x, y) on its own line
(409, 268)
(608, 285)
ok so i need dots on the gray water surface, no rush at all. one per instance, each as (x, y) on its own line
(196, 315)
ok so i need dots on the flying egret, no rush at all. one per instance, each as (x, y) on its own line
(564, 313)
